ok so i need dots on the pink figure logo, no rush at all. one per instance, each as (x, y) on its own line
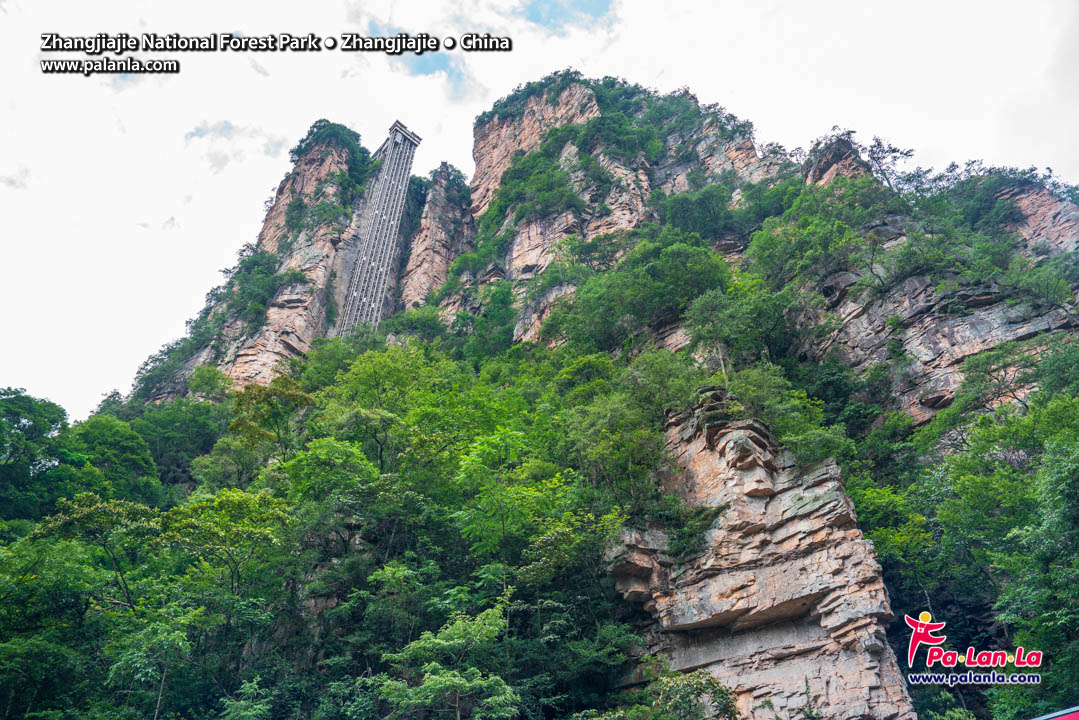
(922, 633)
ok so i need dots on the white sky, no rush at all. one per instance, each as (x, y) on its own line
(120, 200)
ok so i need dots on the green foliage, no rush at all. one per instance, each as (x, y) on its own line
(251, 703)
(351, 182)
(748, 320)
(707, 211)
(677, 697)
(267, 415)
(762, 391)
(823, 231)
(513, 105)
(491, 331)
(249, 288)
(295, 214)
(985, 527)
(417, 525)
(30, 447)
(651, 286)
(122, 456)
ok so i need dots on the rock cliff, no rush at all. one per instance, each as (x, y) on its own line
(939, 329)
(497, 142)
(321, 248)
(785, 603)
(296, 315)
(717, 145)
(446, 230)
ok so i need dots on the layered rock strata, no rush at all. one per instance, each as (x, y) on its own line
(497, 142)
(446, 230)
(937, 331)
(785, 603)
(327, 256)
(296, 314)
(715, 146)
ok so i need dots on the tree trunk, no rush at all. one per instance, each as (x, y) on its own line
(160, 690)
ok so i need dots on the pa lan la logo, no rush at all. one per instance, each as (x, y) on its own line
(923, 632)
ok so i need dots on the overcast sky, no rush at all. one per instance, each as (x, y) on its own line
(121, 198)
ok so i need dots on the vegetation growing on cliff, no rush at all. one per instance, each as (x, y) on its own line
(251, 284)
(352, 181)
(403, 505)
(248, 289)
(634, 124)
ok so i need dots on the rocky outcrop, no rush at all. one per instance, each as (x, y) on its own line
(785, 603)
(497, 142)
(446, 230)
(296, 314)
(534, 313)
(837, 158)
(935, 334)
(717, 145)
(624, 206)
(1050, 225)
(714, 148)
(299, 313)
(928, 334)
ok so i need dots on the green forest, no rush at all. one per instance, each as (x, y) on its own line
(410, 521)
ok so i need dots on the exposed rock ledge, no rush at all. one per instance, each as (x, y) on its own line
(787, 594)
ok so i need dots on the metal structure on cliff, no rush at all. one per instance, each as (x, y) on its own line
(378, 228)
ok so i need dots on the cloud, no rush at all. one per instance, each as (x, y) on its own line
(450, 67)
(220, 129)
(19, 180)
(220, 159)
(555, 15)
(228, 142)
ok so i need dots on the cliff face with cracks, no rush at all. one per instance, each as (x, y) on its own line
(938, 330)
(323, 250)
(498, 141)
(785, 603)
(710, 148)
(445, 231)
(296, 314)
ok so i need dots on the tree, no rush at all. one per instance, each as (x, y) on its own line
(443, 672)
(251, 703)
(269, 414)
(691, 696)
(29, 439)
(119, 527)
(122, 455)
(230, 530)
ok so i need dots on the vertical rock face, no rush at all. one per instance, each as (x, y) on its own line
(786, 602)
(1050, 225)
(716, 145)
(497, 141)
(446, 230)
(712, 148)
(323, 252)
(836, 159)
(296, 315)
